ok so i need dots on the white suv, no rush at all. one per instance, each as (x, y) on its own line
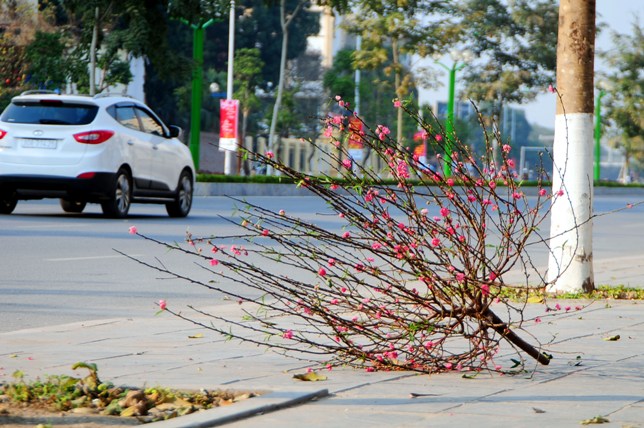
(111, 150)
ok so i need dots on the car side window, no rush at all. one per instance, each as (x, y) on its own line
(127, 117)
(150, 124)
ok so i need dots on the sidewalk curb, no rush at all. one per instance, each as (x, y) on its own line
(262, 404)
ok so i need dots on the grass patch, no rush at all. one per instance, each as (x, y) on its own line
(91, 396)
(537, 295)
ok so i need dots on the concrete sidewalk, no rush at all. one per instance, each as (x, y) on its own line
(607, 379)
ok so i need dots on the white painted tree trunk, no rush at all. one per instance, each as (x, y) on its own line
(570, 268)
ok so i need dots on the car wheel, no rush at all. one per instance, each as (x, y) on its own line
(72, 206)
(182, 203)
(7, 204)
(120, 198)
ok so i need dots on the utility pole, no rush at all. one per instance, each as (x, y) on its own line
(570, 266)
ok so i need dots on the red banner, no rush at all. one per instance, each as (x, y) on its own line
(228, 114)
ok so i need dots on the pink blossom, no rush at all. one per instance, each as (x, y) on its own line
(511, 163)
(337, 119)
(436, 242)
(551, 89)
(402, 169)
(492, 276)
(346, 235)
(460, 277)
(557, 307)
(270, 154)
(338, 97)
(506, 148)
(424, 211)
(133, 230)
(438, 137)
(448, 366)
(322, 272)
(397, 103)
(331, 262)
(347, 163)
(370, 369)
(333, 186)
(282, 212)
(162, 304)
(376, 245)
(214, 262)
(542, 192)
(288, 334)
(485, 289)
(265, 232)
(341, 215)
(567, 308)
(328, 132)
(450, 182)
(537, 320)
(560, 192)
(444, 212)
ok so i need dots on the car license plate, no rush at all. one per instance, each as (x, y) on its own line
(33, 143)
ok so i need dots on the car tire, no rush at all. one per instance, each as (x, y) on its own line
(182, 203)
(7, 204)
(71, 206)
(120, 198)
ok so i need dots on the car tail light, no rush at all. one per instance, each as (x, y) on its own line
(93, 137)
(2, 134)
(87, 175)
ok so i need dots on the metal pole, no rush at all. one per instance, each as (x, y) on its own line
(357, 78)
(230, 154)
(197, 86)
(598, 136)
(449, 123)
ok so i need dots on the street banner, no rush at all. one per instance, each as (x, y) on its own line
(228, 119)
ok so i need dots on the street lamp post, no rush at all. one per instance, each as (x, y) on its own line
(598, 135)
(451, 95)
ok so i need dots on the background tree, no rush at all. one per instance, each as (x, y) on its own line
(626, 89)
(390, 30)
(516, 46)
(247, 70)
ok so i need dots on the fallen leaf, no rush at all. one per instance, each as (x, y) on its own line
(535, 299)
(310, 377)
(196, 336)
(595, 420)
(612, 338)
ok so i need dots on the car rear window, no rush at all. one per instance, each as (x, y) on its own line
(52, 112)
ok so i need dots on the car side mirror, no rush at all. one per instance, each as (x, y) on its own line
(175, 132)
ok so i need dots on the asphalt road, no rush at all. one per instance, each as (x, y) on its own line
(57, 268)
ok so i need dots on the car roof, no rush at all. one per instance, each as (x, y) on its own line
(103, 100)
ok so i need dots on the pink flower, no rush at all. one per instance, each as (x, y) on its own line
(162, 304)
(333, 186)
(288, 334)
(338, 97)
(265, 232)
(397, 103)
(492, 276)
(214, 262)
(337, 119)
(370, 369)
(460, 277)
(328, 132)
(448, 366)
(444, 212)
(450, 182)
(346, 235)
(560, 193)
(537, 320)
(542, 192)
(270, 154)
(506, 148)
(485, 289)
(282, 212)
(322, 272)
(347, 163)
(551, 89)
(376, 245)
(133, 230)
(436, 242)
(331, 262)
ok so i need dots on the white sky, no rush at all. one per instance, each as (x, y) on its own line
(618, 14)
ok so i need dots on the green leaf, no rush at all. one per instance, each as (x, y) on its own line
(595, 420)
(310, 377)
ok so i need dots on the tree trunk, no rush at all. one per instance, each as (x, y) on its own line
(92, 55)
(570, 266)
(397, 80)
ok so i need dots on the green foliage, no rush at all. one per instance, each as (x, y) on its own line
(625, 92)
(46, 58)
(516, 46)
